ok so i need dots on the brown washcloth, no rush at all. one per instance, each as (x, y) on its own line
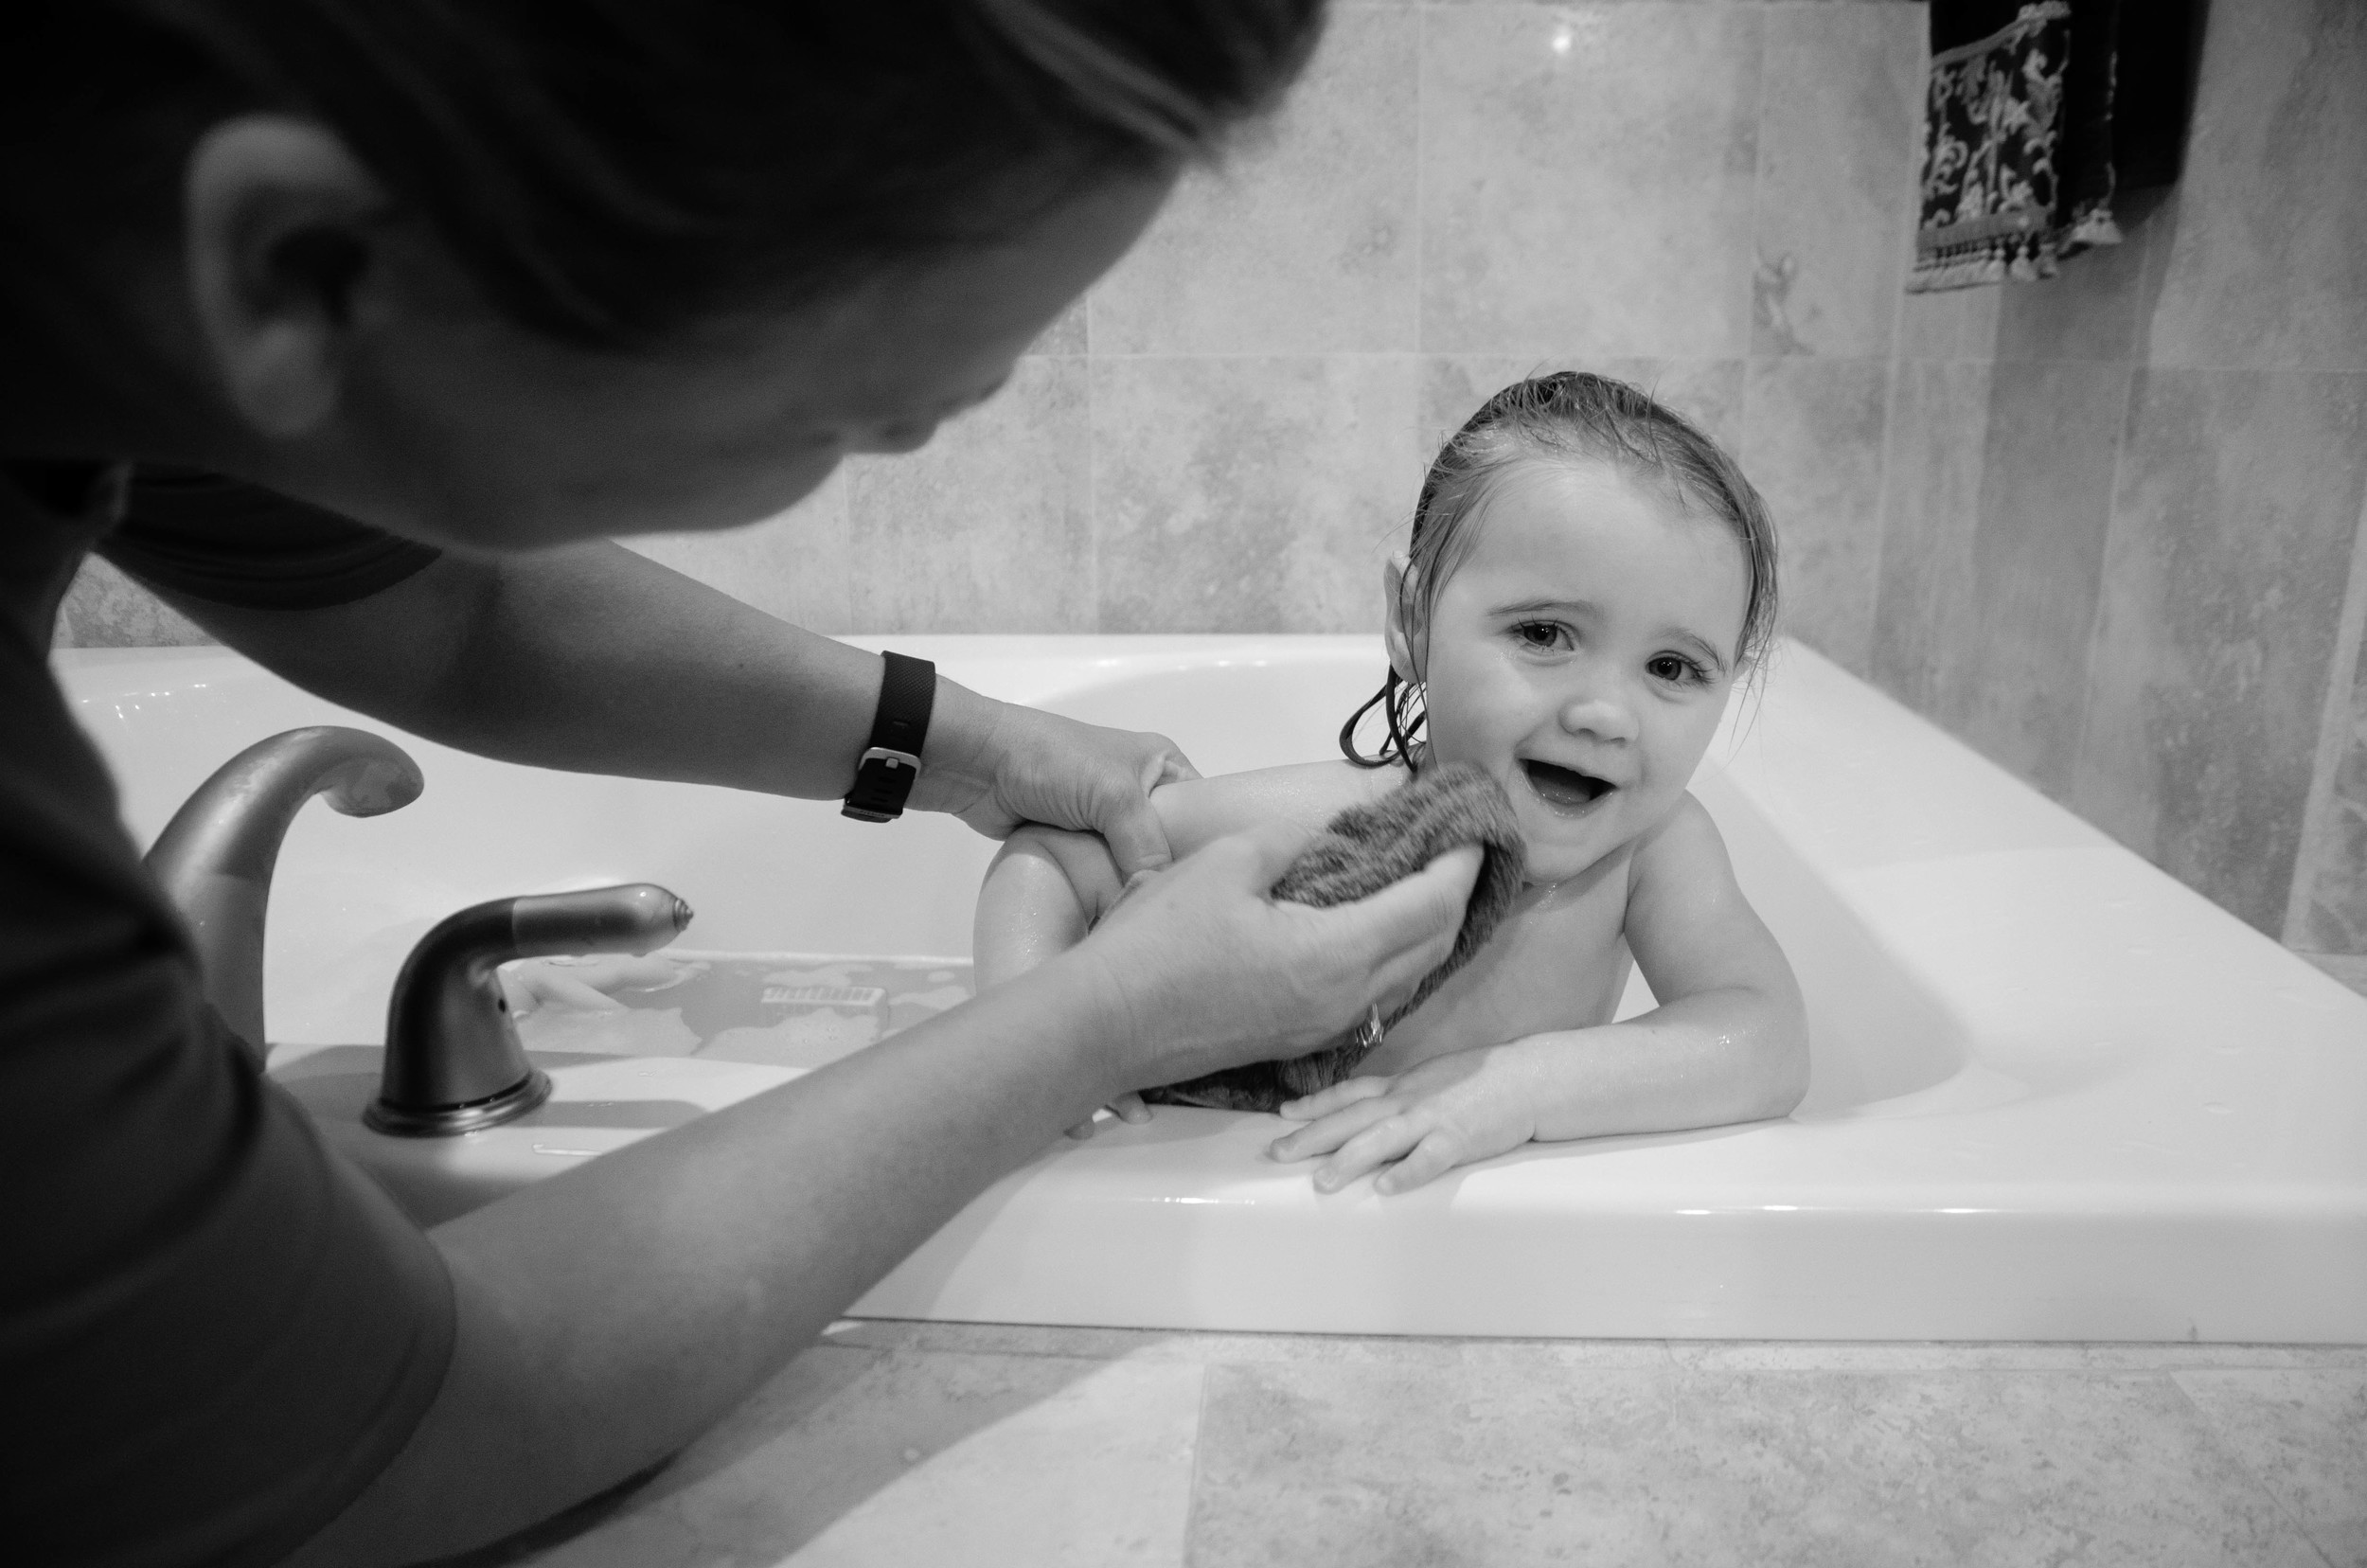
(1362, 851)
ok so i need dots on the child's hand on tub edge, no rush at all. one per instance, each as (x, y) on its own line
(1449, 1111)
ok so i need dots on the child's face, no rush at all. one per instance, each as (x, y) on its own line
(1582, 654)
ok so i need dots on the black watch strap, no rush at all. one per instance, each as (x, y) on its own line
(883, 780)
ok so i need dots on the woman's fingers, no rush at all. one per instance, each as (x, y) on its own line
(1414, 922)
(1040, 767)
(1128, 1107)
(1138, 839)
(1262, 853)
(1164, 763)
(1322, 1102)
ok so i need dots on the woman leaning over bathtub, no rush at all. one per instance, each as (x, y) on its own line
(454, 289)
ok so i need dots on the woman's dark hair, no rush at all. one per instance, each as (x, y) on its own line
(608, 171)
(1568, 415)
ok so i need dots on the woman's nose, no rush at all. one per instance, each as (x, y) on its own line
(1600, 715)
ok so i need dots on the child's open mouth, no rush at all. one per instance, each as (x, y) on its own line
(1564, 789)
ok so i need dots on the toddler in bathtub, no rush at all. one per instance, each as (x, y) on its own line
(1588, 576)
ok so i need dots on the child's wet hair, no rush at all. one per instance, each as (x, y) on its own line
(1565, 416)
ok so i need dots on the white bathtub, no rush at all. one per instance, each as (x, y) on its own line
(2055, 1095)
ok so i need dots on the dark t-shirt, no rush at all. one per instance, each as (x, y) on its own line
(213, 1331)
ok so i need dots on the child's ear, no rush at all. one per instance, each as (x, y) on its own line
(1393, 632)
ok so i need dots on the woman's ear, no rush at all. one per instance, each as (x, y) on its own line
(279, 225)
(1395, 574)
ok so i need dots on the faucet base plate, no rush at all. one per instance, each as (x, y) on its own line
(449, 1121)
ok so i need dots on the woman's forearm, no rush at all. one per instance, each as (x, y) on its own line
(596, 660)
(609, 1315)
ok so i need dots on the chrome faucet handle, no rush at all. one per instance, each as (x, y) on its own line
(454, 1060)
(215, 858)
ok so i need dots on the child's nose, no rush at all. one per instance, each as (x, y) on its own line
(1600, 715)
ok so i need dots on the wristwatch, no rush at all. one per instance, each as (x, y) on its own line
(883, 779)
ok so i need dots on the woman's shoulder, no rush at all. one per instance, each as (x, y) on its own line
(1311, 793)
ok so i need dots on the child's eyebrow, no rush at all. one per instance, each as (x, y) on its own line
(1539, 606)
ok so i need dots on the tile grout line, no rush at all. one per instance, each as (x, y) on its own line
(1893, 362)
(1093, 469)
(2334, 736)
(2112, 524)
(1424, 440)
(2234, 1462)
(1191, 1494)
(1751, 315)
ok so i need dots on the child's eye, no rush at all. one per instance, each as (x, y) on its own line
(1676, 666)
(1542, 635)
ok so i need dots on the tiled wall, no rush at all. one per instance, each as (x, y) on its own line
(2122, 548)
(2105, 527)
(1228, 433)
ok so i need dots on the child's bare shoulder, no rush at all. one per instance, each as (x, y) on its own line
(1311, 793)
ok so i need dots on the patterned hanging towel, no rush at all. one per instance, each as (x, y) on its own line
(2018, 140)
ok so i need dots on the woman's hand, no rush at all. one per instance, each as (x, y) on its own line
(1128, 1107)
(1203, 970)
(1026, 765)
(1449, 1111)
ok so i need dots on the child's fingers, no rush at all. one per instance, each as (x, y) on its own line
(1082, 1130)
(1322, 1137)
(1437, 1153)
(1337, 1096)
(1388, 1139)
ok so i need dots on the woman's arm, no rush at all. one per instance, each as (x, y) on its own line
(595, 659)
(1728, 1042)
(610, 1315)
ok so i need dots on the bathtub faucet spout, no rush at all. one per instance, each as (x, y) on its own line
(214, 859)
(454, 1060)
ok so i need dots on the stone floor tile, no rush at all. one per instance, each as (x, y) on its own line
(1337, 1465)
(2305, 1434)
(889, 1458)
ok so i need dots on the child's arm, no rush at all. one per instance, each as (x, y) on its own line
(1728, 1042)
(1049, 886)
(1046, 888)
